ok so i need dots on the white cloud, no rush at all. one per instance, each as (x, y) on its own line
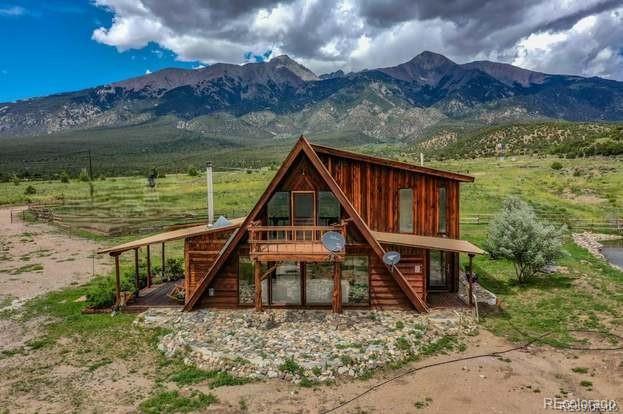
(147, 71)
(12, 11)
(574, 36)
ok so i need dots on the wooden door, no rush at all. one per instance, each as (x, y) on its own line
(304, 212)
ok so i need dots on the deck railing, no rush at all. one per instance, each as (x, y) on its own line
(292, 242)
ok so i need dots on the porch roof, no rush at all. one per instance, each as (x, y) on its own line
(171, 235)
(428, 242)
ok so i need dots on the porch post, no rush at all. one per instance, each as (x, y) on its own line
(163, 265)
(470, 279)
(148, 267)
(117, 281)
(337, 287)
(257, 272)
(136, 272)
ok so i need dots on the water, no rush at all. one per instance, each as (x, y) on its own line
(613, 250)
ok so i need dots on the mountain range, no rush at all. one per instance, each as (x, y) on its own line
(282, 98)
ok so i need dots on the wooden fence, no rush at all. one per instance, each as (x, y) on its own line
(574, 224)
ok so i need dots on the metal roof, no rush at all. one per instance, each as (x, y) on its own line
(428, 242)
(172, 235)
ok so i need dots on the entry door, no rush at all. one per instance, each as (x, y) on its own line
(303, 212)
(438, 271)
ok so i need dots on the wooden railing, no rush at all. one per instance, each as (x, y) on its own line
(273, 243)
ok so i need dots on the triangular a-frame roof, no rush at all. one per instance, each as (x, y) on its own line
(303, 147)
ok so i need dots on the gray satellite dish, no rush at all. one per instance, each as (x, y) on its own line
(391, 258)
(222, 222)
(333, 241)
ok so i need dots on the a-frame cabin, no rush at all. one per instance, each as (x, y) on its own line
(275, 258)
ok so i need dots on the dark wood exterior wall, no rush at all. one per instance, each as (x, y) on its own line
(373, 191)
(199, 254)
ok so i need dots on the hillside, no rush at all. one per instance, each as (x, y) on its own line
(282, 98)
(564, 139)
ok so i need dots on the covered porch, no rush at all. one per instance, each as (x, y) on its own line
(150, 294)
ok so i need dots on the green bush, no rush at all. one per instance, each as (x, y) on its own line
(30, 190)
(101, 294)
(84, 176)
(15, 179)
(517, 235)
(556, 165)
(192, 171)
(64, 177)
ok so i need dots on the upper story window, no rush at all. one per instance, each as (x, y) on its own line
(328, 209)
(442, 204)
(278, 209)
(405, 196)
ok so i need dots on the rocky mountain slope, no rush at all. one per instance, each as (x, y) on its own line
(282, 98)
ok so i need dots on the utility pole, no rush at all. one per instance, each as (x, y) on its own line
(210, 193)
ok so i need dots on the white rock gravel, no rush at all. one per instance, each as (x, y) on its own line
(321, 344)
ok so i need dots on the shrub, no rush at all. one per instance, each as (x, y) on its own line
(192, 171)
(101, 294)
(556, 165)
(64, 177)
(15, 179)
(290, 366)
(30, 190)
(84, 176)
(517, 235)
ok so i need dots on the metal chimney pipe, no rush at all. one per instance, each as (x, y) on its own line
(210, 193)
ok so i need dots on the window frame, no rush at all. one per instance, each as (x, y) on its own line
(412, 205)
(442, 212)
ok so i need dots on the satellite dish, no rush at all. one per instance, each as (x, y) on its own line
(221, 222)
(391, 258)
(333, 241)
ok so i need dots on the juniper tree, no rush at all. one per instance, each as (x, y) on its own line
(517, 235)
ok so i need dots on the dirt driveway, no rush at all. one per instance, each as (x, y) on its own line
(37, 258)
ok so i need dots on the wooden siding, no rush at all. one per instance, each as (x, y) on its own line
(199, 254)
(373, 191)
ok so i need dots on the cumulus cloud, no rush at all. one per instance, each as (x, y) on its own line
(561, 36)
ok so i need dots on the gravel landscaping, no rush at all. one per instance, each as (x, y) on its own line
(306, 345)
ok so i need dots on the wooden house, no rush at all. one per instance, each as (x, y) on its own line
(274, 257)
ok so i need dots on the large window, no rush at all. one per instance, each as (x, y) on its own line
(278, 209)
(355, 280)
(318, 283)
(246, 282)
(406, 210)
(328, 209)
(286, 284)
(443, 206)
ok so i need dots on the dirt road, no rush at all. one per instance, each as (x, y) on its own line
(37, 258)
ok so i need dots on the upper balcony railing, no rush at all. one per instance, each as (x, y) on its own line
(296, 243)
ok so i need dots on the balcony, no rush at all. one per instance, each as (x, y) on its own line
(292, 243)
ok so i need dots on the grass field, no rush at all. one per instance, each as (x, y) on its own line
(585, 293)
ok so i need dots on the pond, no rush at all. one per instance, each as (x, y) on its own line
(613, 251)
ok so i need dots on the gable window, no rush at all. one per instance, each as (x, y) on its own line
(328, 209)
(405, 213)
(278, 209)
(442, 204)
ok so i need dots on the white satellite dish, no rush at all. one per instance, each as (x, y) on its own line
(333, 241)
(391, 258)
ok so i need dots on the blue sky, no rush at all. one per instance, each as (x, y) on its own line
(64, 45)
(46, 47)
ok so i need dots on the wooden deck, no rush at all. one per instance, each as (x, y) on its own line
(445, 300)
(155, 297)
